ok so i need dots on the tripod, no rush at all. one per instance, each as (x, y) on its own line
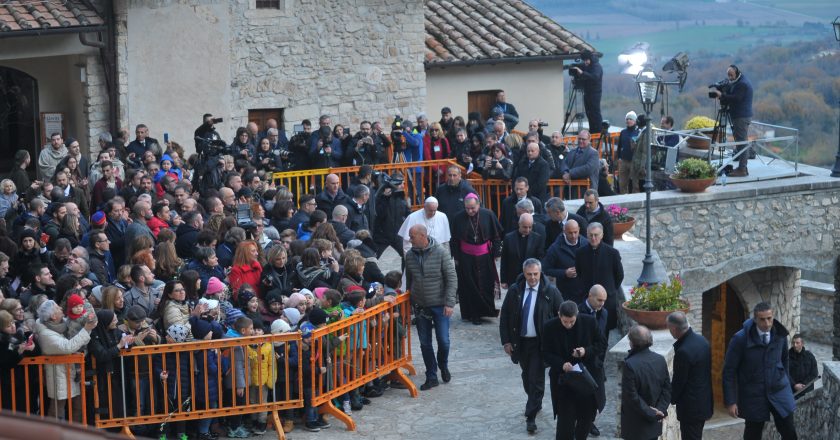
(719, 135)
(570, 106)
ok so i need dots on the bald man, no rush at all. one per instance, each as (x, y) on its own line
(519, 246)
(332, 195)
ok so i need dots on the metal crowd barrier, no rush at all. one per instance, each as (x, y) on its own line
(27, 389)
(358, 349)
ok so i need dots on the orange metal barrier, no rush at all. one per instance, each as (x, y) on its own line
(118, 401)
(493, 191)
(27, 390)
(353, 351)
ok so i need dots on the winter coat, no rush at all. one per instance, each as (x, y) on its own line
(185, 243)
(644, 384)
(691, 386)
(327, 203)
(48, 160)
(273, 280)
(451, 198)
(211, 370)
(246, 273)
(314, 277)
(391, 211)
(54, 343)
(343, 233)
(180, 373)
(755, 375)
(537, 174)
(559, 257)
(430, 276)
(176, 312)
(601, 216)
(236, 357)
(547, 304)
(261, 365)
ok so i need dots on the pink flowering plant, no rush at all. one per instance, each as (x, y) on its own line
(658, 297)
(618, 214)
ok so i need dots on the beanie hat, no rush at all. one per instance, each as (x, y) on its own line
(292, 314)
(280, 326)
(496, 112)
(200, 328)
(630, 115)
(306, 329)
(31, 233)
(178, 332)
(274, 297)
(294, 300)
(214, 286)
(69, 141)
(73, 301)
(98, 218)
(231, 315)
(319, 292)
(244, 297)
(317, 317)
(586, 55)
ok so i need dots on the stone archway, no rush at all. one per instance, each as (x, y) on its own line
(726, 306)
(18, 115)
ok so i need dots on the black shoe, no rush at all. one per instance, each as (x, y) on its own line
(531, 425)
(312, 426)
(477, 321)
(594, 432)
(373, 392)
(445, 375)
(365, 401)
(429, 384)
(397, 385)
(356, 405)
(323, 424)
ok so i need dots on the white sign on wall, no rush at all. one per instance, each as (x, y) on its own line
(51, 123)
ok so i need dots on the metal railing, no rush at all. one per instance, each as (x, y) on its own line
(27, 389)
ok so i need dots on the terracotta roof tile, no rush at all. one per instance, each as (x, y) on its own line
(18, 15)
(469, 30)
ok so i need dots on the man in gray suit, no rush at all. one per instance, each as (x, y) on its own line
(582, 163)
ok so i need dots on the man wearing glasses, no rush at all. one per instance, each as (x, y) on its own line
(101, 262)
(581, 163)
(307, 207)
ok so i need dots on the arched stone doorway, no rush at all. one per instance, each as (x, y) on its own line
(18, 116)
(726, 306)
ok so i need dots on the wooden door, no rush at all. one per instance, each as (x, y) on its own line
(481, 101)
(259, 116)
(723, 316)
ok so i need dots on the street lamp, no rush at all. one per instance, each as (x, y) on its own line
(835, 172)
(648, 83)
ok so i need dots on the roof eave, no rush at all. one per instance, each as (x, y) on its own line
(53, 31)
(504, 60)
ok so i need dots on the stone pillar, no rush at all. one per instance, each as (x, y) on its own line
(95, 103)
(836, 339)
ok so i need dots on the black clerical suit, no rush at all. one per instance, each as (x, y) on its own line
(601, 322)
(691, 386)
(517, 248)
(601, 265)
(576, 411)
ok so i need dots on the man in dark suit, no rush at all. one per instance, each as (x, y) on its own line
(529, 303)
(691, 386)
(600, 263)
(535, 169)
(519, 246)
(559, 262)
(645, 388)
(556, 216)
(593, 306)
(508, 217)
(593, 211)
(582, 163)
(572, 341)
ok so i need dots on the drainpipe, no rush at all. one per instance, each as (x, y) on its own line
(107, 57)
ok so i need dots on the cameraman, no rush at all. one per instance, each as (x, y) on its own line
(737, 95)
(299, 148)
(365, 147)
(589, 76)
(207, 132)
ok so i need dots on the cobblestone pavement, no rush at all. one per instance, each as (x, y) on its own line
(484, 399)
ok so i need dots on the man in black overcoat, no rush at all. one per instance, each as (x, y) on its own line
(691, 386)
(517, 247)
(600, 263)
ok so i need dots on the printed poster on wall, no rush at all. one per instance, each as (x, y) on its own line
(51, 123)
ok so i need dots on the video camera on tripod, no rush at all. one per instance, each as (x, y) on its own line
(210, 147)
(720, 86)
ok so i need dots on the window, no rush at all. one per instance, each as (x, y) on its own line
(268, 4)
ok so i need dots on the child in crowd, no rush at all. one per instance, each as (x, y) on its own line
(292, 316)
(236, 377)
(297, 301)
(77, 316)
(312, 422)
(331, 303)
(273, 308)
(286, 387)
(174, 371)
(263, 374)
(249, 304)
(206, 396)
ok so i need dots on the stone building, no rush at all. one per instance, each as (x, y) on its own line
(476, 47)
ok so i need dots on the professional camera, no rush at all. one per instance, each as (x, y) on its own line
(719, 86)
(577, 64)
(243, 217)
(216, 120)
(542, 124)
(210, 147)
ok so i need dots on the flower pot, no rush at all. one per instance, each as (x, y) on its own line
(692, 185)
(620, 228)
(698, 143)
(654, 320)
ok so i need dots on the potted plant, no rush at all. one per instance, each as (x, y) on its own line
(700, 125)
(620, 220)
(649, 305)
(693, 175)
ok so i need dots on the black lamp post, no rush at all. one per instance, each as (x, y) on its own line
(835, 172)
(648, 83)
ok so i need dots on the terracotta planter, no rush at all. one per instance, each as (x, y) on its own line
(620, 228)
(692, 185)
(654, 320)
(698, 143)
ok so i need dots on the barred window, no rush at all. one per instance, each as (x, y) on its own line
(268, 4)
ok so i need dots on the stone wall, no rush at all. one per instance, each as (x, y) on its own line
(712, 237)
(95, 103)
(816, 415)
(816, 322)
(351, 59)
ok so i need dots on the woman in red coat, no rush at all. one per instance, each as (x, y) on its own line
(246, 268)
(436, 147)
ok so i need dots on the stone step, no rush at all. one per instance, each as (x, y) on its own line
(723, 429)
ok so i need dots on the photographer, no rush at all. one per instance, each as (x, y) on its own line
(327, 152)
(299, 148)
(365, 148)
(736, 94)
(206, 131)
(588, 75)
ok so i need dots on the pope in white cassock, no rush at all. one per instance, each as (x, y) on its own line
(436, 223)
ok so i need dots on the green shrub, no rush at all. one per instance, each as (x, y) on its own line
(694, 169)
(658, 297)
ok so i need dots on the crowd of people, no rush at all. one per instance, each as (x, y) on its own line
(146, 245)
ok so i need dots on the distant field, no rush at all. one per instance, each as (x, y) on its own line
(822, 10)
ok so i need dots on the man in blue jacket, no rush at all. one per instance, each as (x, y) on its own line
(755, 375)
(738, 96)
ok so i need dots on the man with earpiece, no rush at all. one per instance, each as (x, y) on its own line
(738, 96)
